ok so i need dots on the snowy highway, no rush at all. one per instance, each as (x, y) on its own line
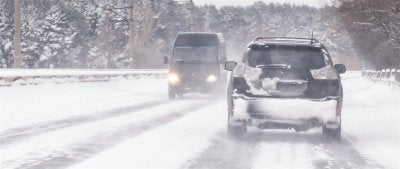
(132, 124)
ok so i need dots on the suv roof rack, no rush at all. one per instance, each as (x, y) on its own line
(310, 41)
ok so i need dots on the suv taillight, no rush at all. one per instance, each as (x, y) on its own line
(325, 73)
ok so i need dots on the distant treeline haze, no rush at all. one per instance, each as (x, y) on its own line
(95, 33)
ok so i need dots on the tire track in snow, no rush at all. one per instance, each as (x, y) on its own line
(18, 134)
(83, 150)
(343, 155)
(170, 146)
(256, 149)
(280, 149)
(227, 153)
(309, 150)
(287, 149)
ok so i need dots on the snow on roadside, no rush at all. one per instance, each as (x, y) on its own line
(24, 105)
(167, 147)
(371, 119)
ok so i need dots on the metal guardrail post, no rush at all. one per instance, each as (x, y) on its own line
(389, 76)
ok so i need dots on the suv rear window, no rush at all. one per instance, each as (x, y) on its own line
(295, 57)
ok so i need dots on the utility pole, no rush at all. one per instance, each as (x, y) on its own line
(17, 34)
(131, 35)
(207, 24)
(191, 8)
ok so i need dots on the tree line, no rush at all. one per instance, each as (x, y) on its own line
(374, 26)
(96, 33)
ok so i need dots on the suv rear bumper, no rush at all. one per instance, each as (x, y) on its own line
(298, 113)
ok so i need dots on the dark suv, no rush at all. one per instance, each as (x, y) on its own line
(285, 83)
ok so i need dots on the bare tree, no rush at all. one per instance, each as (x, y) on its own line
(375, 29)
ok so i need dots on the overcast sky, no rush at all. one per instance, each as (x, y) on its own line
(219, 3)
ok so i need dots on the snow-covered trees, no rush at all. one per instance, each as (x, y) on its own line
(48, 35)
(6, 32)
(242, 24)
(95, 33)
(108, 48)
(375, 28)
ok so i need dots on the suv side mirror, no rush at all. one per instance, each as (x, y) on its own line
(340, 68)
(230, 65)
(165, 60)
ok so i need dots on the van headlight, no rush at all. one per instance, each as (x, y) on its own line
(211, 78)
(326, 73)
(173, 78)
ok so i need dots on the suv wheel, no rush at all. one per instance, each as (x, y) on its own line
(236, 131)
(332, 134)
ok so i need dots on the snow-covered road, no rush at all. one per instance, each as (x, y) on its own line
(132, 124)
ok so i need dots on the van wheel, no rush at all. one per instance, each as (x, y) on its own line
(332, 134)
(171, 94)
(179, 95)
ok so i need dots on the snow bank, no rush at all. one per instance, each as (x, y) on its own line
(371, 119)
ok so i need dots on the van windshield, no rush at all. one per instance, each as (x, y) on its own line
(206, 54)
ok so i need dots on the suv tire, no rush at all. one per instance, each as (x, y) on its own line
(332, 134)
(235, 131)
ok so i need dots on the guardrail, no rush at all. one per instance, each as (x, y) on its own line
(37, 76)
(390, 76)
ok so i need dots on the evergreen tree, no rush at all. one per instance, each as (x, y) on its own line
(6, 33)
